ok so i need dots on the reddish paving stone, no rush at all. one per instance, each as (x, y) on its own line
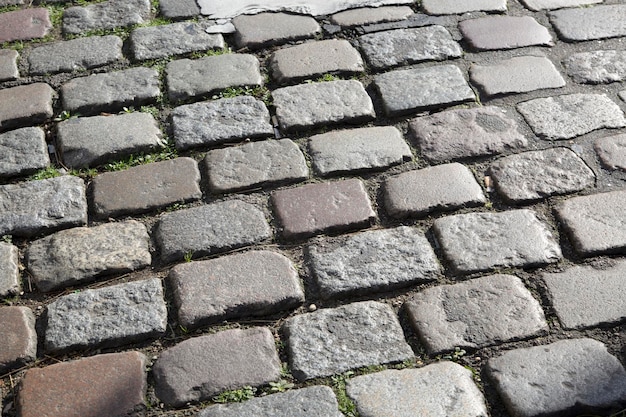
(22, 25)
(8, 65)
(100, 386)
(18, 344)
(25, 105)
(504, 32)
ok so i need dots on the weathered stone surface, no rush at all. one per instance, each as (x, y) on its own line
(568, 116)
(482, 241)
(90, 141)
(535, 175)
(612, 151)
(111, 91)
(442, 187)
(372, 261)
(179, 9)
(109, 316)
(406, 91)
(33, 207)
(437, 390)
(474, 314)
(23, 151)
(459, 7)
(557, 4)
(622, 95)
(309, 105)
(25, 105)
(201, 367)
(597, 67)
(18, 345)
(8, 65)
(370, 15)
(10, 2)
(504, 32)
(332, 341)
(110, 14)
(569, 376)
(100, 386)
(408, 46)
(588, 23)
(258, 30)
(210, 229)
(24, 24)
(9, 270)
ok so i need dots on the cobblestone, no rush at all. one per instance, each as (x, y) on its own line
(9, 270)
(439, 7)
(25, 105)
(23, 151)
(8, 65)
(537, 5)
(24, 24)
(110, 14)
(504, 32)
(589, 23)
(612, 151)
(18, 346)
(179, 9)
(264, 29)
(597, 67)
(370, 15)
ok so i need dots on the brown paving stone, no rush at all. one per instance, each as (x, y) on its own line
(25, 105)
(18, 344)
(504, 32)
(25, 24)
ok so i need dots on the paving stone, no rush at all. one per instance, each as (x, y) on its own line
(568, 116)
(75, 55)
(18, 345)
(201, 367)
(597, 67)
(264, 29)
(323, 103)
(408, 46)
(458, 7)
(106, 15)
(188, 78)
(25, 105)
(334, 340)
(370, 15)
(24, 24)
(504, 32)
(323, 207)
(255, 164)
(516, 75)
(406, 91)
(372, 261)
(210, 229)
(443, 389)
(107, 385)
(535, 175)
(109, 316)
(8, 65)
(612, 151)
(32, 207)
(4, 3)
(9, 270)
(555, 378)
(588, 23)
(111, 91)
(23, 151)
(536, 5)
(90, 141)
(438, 188)
(179, 9)
(474, 314)
(622, 95)
(482, 241)
(416, 20)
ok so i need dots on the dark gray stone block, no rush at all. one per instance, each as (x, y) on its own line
(23, 151)
(110, 14)
(264, 29)
(179, 9)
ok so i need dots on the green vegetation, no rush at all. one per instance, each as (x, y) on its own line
(346, 406)
(235, 396)
(43, 174)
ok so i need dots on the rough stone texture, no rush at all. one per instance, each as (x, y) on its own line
(536, 5)
(210, 229)
(331, 341)
(443, 389)
(256, 31)
(24, 24)
(612, 151)
(466, 133)
(201, 367)
(8, 65)
(406, 91)
(174, 39)
(408, 46)
(482, 241)
(442, 187)
(323, 207)
(622, 95)
(474, 314)
(179, 9)
(18, 345)
(109, 316)
(146, 187)
(10, 2)
(188, 78)
(588, 23)
(23, 151)
(254, 283)
(90, 141)
(372, 261)
(75, 55)
(597, 67)
(439, 7)
(323, 103)
(25, 105)
(370, 15)
(569, 377)
(111, 91)
(33, 207)
(568, 116)
(106, 15)
(100, 386)
(255, 164)
(536, 175)
(504, 32)
(9, 270)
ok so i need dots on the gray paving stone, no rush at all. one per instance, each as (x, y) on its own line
(474, 314)
(8, 65)
(537, 5)
(201, 367)
(90, 141)
(535, 175)
(24, 24)
(408, 46)
(504, 32)
(443, 389)
(437, 188)
(612, 151)
(323, 103)
(210, 229)
(188, 78)
(264, 29)
(622, 95)
(9, 270)
(254, 283)
(82, 254)
(416, 20)
(331, 341)
(109, 316)
(32, 207)
(75, 55)
(110, 14)
(4, 3)
(568, 116)
(23, 151)
(588, 23)
(406, 91)
(179, 9)
(597, 67)
(372, 261)
(370, 15)
(18, 346)
(555, 378)
(25, 105)
(255, 164)
(482, 241)
(458, 7)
